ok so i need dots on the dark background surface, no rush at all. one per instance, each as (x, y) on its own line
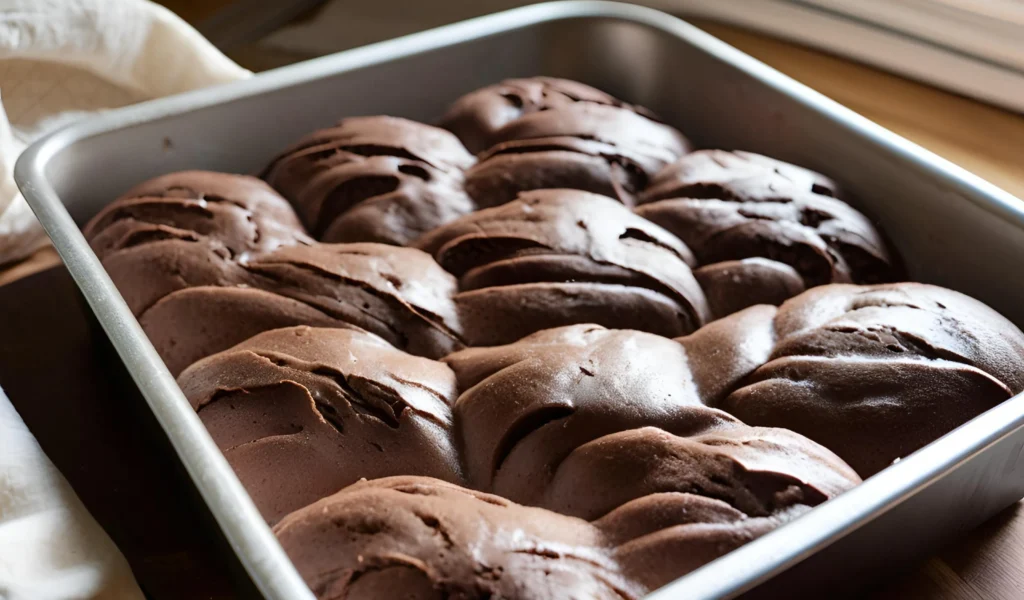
(77, 399)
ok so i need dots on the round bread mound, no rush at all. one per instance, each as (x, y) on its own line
(738, 176)
(477, 117)
(732, 285)
(875, 372)
(759, 472)
(661, 537)
(400, 294)
(240, 212)
(303, 412)
(733, 207)
(416, 537)
(559, 257)
(188, 228)
(528, 404)
(374, 179)
(594, 147)
(582, 419)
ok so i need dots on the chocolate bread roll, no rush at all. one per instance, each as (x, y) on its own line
(186, 229)
(731, 207)
(240, 212)
(527, 405)
(400, 294)
(662, 537)
(738, 176)
(757, 471)
(582, 419)
(732, 285)
(587, 146)
(302, 412)
(875, 372)
(193, 323)
(477, 117)
(414, 537)
(558, 257)
(374, 179)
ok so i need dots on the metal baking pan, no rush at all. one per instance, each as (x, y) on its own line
(952, 229)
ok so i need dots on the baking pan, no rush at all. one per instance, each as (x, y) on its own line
(952, 229)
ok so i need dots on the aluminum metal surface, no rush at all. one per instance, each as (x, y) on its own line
(951, 228)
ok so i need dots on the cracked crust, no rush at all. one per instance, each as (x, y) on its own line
(188, 229)
(477, 117)
(196, 296)
(413, 537)
(241, 213)
(757, 471)
(738, 176)
(558, 257)
(582, 419)
(594, 147)
(421, 538)
(400, 294)
(205, 260)
(876, 372)
(374, 179)
(320, 409)
(661, 537)
(763, 230)
(525, 406)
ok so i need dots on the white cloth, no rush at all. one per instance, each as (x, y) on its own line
(61, 60)
(50, 547)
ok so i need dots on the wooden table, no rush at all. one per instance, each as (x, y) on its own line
(987, 565)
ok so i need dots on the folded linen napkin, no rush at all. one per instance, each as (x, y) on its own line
(50, 547)
(62, 60)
